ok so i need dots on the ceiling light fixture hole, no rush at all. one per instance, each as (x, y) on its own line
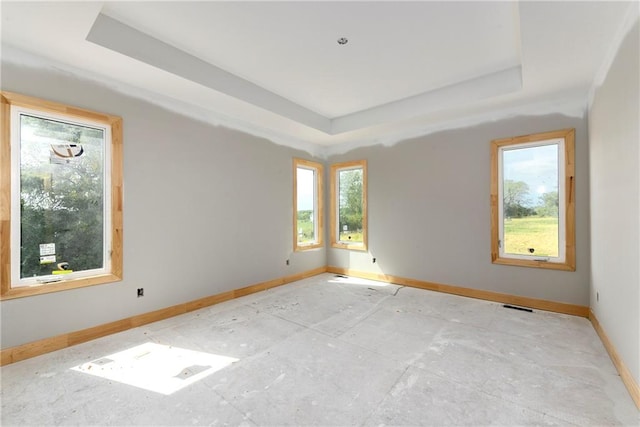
(343, 41)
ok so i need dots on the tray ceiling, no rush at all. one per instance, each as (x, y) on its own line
(277, 69)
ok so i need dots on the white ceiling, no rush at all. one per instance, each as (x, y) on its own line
(275, 69)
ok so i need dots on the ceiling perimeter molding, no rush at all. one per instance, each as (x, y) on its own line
(117, 36)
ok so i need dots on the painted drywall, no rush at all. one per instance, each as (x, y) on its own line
(228, 118)
(429, 212)
(614, 145)
(206, 210)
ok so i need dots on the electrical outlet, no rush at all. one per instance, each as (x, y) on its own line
(287, 262)
(374, 260)
(140, 292)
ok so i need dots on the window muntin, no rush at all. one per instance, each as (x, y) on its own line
(532, 201)
(349, 205)
(64, 194)
(308, 227)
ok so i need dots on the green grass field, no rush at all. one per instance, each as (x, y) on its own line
(355, 236)
(520, 234)
(305, 232)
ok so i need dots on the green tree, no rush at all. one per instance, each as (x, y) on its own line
(515, 199)
(350, 213)
(305, 227)
(549, 205)
(61, 203)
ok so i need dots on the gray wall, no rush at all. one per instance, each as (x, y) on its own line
(206, 210)
(429, 212)
(614, 139)
(217, 203)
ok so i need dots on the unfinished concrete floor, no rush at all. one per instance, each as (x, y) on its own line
(330, 351)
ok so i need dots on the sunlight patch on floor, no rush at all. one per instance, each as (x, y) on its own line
(358, 281)
(155, 367)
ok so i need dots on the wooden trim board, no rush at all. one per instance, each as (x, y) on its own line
(625, 374)
(47, 345)
(334, 234)
(66, 112)
(318, 201)
(558, 307)
(568, 180)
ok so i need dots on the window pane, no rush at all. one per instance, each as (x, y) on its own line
(306, 215)
(530, 201)
(61, 196)
(350, 205)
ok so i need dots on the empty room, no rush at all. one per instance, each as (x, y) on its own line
(320, 213)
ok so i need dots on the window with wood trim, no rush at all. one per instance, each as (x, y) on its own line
(308, 218)
(349, 205)
(532, 200)
(61, 188)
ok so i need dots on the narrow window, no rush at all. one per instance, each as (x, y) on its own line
(349, 205)
(64, 193)
(308, 220)
(532, 200)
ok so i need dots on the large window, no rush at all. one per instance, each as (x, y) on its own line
(532, 200)
(308, 220)
(349, 205)
(61, 187)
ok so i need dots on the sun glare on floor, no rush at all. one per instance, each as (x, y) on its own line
(155, 367)
(357, 281)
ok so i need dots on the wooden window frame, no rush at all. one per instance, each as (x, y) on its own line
(568, 183)
(318, 169)
(335, 233)
(9, 99)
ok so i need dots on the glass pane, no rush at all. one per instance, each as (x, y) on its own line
(530, 201)
(305, 181)
(61, 197)
(350, 205)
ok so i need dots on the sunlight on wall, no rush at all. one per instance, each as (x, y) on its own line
(155, 367)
